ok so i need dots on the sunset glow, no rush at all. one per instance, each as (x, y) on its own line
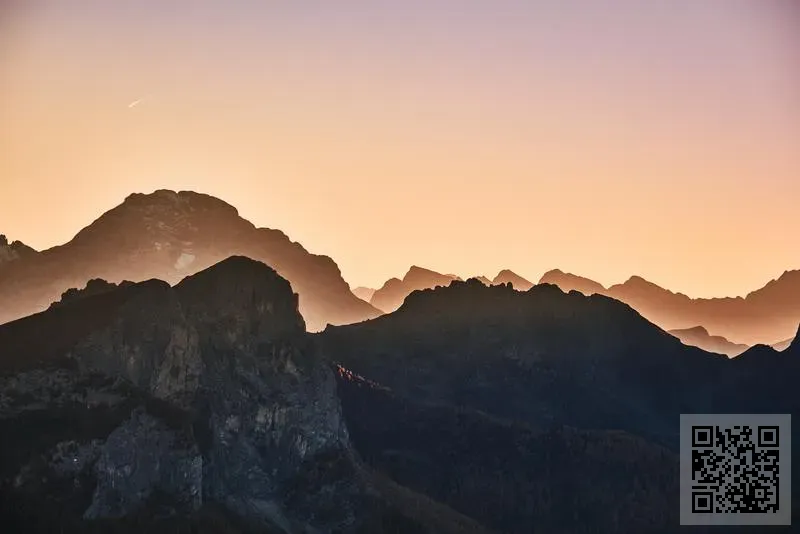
(653, 138)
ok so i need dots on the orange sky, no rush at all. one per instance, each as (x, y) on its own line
(466, 137)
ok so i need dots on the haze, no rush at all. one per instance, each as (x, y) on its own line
(655, 138)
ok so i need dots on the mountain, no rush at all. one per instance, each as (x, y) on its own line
(13, 251)
(509, 277)
(569, 282)
(510, 475)
(483, 280)
(391, 295)
(783, 345)
(364, 293)
(169, 235)
(199, 407)
(699, 337)
(569, 380)
(769, 313)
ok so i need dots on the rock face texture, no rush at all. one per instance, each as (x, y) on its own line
(169, 235)
(207, 398)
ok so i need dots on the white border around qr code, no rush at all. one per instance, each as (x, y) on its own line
(779, 440)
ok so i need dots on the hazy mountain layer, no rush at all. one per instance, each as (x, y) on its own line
(699, 337)
(168, 235)
(766, 314)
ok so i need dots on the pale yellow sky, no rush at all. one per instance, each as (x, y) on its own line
(634, 140)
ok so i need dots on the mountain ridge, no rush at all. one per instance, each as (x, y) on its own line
(765, 314)
(171, 399)
(169, 235)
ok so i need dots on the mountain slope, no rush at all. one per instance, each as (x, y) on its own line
(391, 295)
(699, 337)
(168, 235)
(466, 363)
(13, 251)
(364, 293)
(175, 403)
(570, 282)
(511, 476)
(509, 277)
(764, 315)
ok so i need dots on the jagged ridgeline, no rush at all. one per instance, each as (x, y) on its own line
(169, 235)
(203, 407)
(207, 407)
(540, 410)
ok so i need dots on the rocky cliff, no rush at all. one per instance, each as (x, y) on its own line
(175, 404)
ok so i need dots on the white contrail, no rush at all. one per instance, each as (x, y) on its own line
(134, 103)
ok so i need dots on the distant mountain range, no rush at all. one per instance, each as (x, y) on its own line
(169, 235)
(392, 294)
(137, 407)
(699, 337)
(766, 314)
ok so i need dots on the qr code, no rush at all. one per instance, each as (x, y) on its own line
(734, 465)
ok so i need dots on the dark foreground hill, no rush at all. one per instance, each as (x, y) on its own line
(464, 365)
(169, 235)
(203, 407)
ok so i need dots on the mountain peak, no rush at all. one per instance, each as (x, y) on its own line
(571, 282)
(14, 250)
(248, 292)
(184, 200)
(701, 330)
(169, 235)
(507, 276)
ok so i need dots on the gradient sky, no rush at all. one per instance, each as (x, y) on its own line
(650, 137)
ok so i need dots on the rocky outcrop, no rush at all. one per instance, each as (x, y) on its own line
(178, 399)
(93, 287)
(169, 235)
(16, 250)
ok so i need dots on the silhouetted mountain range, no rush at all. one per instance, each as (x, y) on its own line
(474, 406)
(391, 295)
(169, 235)
(509, 277)
(150, 408)
(699, 337)
(763, 316)
(465, 364)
